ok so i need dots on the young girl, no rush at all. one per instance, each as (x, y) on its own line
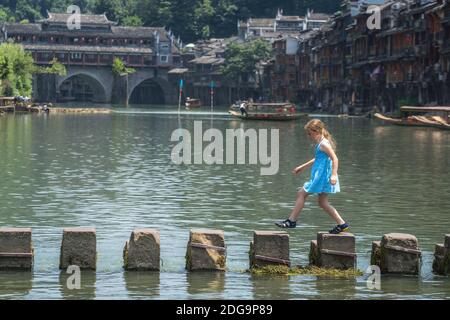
(324, 178)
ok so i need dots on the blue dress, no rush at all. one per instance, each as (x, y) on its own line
(321, 173)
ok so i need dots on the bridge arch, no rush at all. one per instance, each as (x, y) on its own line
(150, 90)
(82, 86)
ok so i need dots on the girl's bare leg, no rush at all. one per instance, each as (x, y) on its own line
(299, 204)
(323, 203)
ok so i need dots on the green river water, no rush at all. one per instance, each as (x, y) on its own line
(114, 172)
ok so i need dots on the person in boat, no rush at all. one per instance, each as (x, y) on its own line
(324, 178)
(243, 109)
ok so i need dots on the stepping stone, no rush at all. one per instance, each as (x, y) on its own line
(400, 254)
(142, 251)
(313, 253)
(336, 251)
(439, 263)
(16, 249)
(206, 250)
(375, 258)
(79, 247)
(269, 248)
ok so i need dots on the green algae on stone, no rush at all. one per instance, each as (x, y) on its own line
(311, 270)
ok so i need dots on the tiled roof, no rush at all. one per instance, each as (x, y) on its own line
(208, 60)
(290, 18)
(318, 16)
(257, 22)
(139, 32)
(85, 18)
(61, 48)
(116, 32)
(178, 70)
(19, 28)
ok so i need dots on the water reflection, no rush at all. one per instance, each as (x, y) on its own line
(331, 288)
(142, 284)
(87, 285)
(271, 287)
(400, 286)
(15, 284)
(205, 282)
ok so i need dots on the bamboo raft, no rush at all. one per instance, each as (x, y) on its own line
(52, 110)
(267, 111)
(80, 110)
(428, 119)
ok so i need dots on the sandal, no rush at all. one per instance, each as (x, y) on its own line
(286, 224)
(339, 228)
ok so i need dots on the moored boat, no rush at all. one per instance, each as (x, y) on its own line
(7, 104)
(193, 103)
(266, 111)
(436, 117)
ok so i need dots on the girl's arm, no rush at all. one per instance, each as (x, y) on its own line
(325, 147)
(303, 166)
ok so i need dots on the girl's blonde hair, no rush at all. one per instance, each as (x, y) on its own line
(319, 126)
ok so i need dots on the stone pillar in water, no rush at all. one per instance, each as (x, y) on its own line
(79, 247)
(335, 251)
(269, 248)
(375, 258)
(16, 249)
(142, 251)
(398, 253)
(206, 250)
(441, 263)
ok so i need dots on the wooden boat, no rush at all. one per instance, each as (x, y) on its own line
(267, 111)
(7, 104)
(12, 104)
(193, 103)
(410, 116)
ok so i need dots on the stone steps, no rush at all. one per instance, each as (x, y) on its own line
(395, 253)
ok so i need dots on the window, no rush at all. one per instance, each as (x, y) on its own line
(75, 56)
(61, 57)
(163, 59)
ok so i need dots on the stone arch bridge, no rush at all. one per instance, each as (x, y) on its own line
(100, 85)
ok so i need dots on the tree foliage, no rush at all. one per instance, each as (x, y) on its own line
(119, 68)
(16, 70)
(241, 60)
(55, 68)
